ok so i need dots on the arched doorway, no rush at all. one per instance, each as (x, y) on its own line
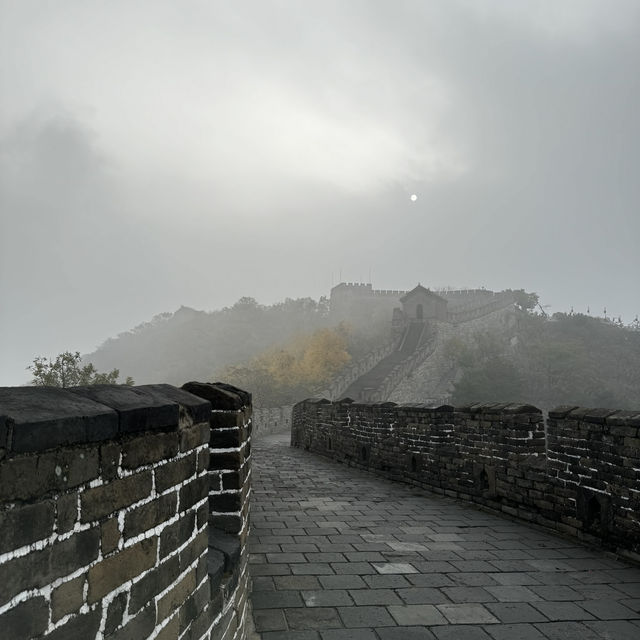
(419, 312)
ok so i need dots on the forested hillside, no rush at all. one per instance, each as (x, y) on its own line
(201, 345)
(567, 359)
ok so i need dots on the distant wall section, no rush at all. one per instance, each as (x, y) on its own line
(267, 420)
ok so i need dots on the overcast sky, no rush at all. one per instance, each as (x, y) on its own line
(157, 154)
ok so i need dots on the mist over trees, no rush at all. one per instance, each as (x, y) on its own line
(567, 359)
(199, 345)
(286, 374)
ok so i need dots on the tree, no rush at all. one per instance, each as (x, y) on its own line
(295, 370)
(66, 371)
(525, 301)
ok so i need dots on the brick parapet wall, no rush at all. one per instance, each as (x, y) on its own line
(579, 475)
(228, 500)
(268, 420)
(104, 514)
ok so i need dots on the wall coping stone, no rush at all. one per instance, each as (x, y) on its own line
(562, 410)
(197, 408)
(517, 408)
(47, 417)
(498, 407)
(223, 397)
(137, 410)
(426, 408)
(317, 401)
(627, 418)
(598, 416)
(35, 419)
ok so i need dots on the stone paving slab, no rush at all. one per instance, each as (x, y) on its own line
(340, 554)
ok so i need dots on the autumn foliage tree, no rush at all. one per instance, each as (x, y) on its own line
(288, 373)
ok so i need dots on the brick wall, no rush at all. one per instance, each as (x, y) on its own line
(229, 495)
(104, 517)
(268, 420)
(579, 475)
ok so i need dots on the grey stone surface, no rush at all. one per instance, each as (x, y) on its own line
(47, 417)
(197, 408)
(137, 410)
(338, 553)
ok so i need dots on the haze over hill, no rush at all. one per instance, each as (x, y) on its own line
(280, 353)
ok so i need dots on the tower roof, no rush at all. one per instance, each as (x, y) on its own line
(420, 290)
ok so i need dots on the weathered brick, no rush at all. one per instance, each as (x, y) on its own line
(26, 620)
(225, 438)
(148, 449)
(230, 460)
(78, 628)
(225, 502)
(193, 550)
(194, 437)
(153, 583)
(117, 569)
(227, 625)
(202, 622)
(35, 476)
(66, 512)
(174, 598)
(140, 627)
(149, 515)
(39, 568)
(228, 523)
(203, 514)
(23, 525)
(110, 535)
(176, 534)
(226, 419)
(115, 613)
(109, 460)
(67, 598)
(194, 492)
(175, 472)
(172, 630)
(232, 480)
(193, 605)
(102, 501)
(203, 460)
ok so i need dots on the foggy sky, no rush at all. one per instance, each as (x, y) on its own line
(155, 154)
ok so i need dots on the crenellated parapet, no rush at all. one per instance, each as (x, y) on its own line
(576, 471)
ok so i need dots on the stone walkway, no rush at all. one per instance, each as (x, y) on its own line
(339, 554)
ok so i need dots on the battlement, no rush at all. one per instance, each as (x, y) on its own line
(124, 511)
(578, 474)
(362, 289)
